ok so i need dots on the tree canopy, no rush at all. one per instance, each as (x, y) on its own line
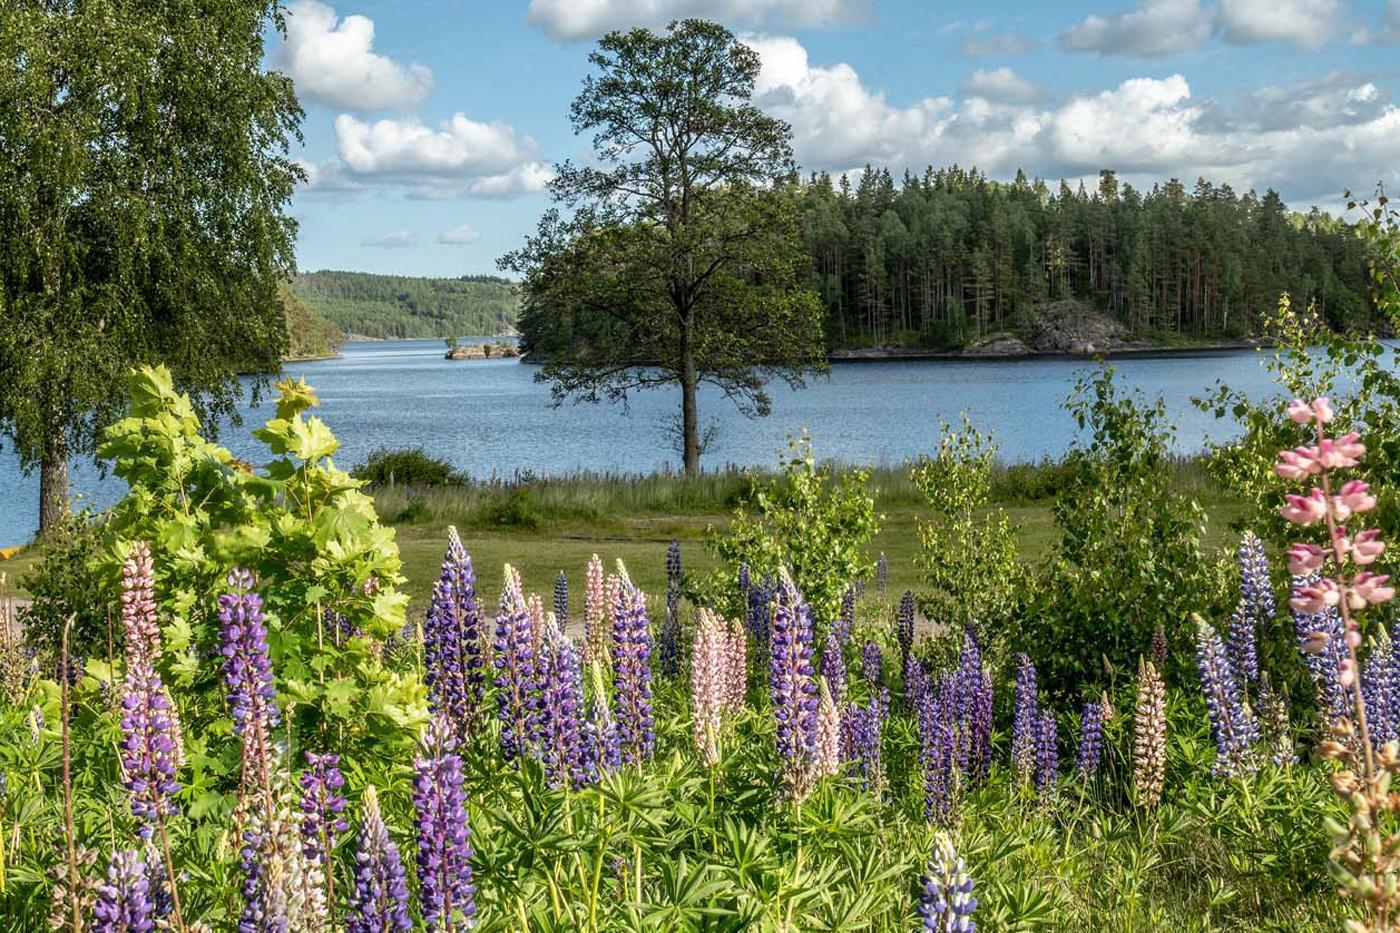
(680, 261)
(142, 212)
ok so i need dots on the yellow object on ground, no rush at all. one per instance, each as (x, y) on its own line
(7, 552)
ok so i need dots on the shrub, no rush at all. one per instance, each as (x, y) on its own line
(62, 586)
(407, 466)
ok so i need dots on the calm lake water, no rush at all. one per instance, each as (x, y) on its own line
(491, 417)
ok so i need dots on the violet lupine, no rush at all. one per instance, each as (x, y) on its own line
(834, 667)
(1047, 756)
(1256, 608)
(322, 806)
(1026, 719)
(516, 688)
(445, 889)
(123, 903)
(794, 689)
(980, 767)
(915, 682)
(669, 643)
(265, 908)
(710, 683)
(379, 898)
(597, 613)
(601, 751)
(636, 729)
(148, 746)
(846, 618)
(882, 573)
(862, 738)
(742, 583)
(1086, 761)
(904, 626)
(872, 663)
(561, 601)
(453, 662)
(761, 613)
(938, 749)
(1159, 644)
(945, 901)
(561, 710)
(1376, 684)
(966, 683)
(1231, 721)
(248, 677)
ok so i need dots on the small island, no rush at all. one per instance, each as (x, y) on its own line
(480, 351)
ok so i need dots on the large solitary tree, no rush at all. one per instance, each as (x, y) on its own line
(144, 178)
(677, 259)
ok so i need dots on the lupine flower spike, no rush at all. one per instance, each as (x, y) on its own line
(710, 683)
(946, 903)
(454, 665)
(444, 847)
(1026, 721)
(1232, 721)
(514, 657)
(1086, 762)
(379, 900)
(124, 903)
(561, 710)
(597, 614)
(794, 689)
(1149, 736)
(632, 670)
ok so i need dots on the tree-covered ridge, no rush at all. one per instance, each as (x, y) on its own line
(309, 335)
(387, 306)
(942, 259)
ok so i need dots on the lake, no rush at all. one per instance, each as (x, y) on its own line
(491, 417)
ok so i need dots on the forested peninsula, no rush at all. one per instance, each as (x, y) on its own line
(952, 260)
(387, 307)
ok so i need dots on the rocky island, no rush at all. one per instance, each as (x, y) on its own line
(481, 351)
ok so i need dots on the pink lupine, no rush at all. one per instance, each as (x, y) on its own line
(1370, 588)
(826, 761)
(1304, 510)
(139, 604)
(596, 615)
(1304, 559)
(1366, 547)
(1317, 597)
(736, 665)
(709, 683)
(1355, 496)
(1296, 464)
(1300, 411)
(1332, 456)
(1322, 410)
(535, 607)
(1350, 446)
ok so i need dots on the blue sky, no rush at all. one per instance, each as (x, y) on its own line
(431, 125)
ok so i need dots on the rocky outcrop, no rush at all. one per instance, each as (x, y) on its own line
(999, 345)
(1074, 328)
(482, 351)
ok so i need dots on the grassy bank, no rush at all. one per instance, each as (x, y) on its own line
(545, 526)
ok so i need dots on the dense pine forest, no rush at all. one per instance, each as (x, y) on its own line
(396, 306)
(946, 258)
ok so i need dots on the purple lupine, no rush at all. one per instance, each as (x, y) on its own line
(915, 682)
(882, 573)
(1320, 639)
(742, 584)
(669, 643)
(561, 601)
(148, 745)
(561, 706)
(1159, 645)
(1256, 608)
(264, 901)
(322, 806)
(980, 725)
(945, 900)
(904, 626)
(516, 688)
(794, 691)
(862, 739)
(1376, 694)
(1026, 719)
(379, 899)
(1047, 756)
(760, 613)
(938, 749)
(445, 889)
(636, 729)
(339, 626)
(967, 686)
(248, 677)
(834, 667)
(453, 665)
(123, 903)
(1231, 721)
(846, 618)
(872, 663)
(1086, 761)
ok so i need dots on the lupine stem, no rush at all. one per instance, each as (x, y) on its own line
(70, 835)
(170, 872)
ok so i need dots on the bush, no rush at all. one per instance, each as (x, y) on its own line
(408, 466)
(62, 586)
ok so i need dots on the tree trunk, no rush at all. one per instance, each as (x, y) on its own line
(53, 476)
(690, 416)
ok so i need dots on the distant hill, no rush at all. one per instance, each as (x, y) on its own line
(309, 336)
(389, 306)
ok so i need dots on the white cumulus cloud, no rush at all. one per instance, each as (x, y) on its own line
(401, 239)
(333, 62)
(460, 235)
(1306, 24)
(1308, 141)
(1002, 85)
(588, 19)
(1154, 29)
(459, 147)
